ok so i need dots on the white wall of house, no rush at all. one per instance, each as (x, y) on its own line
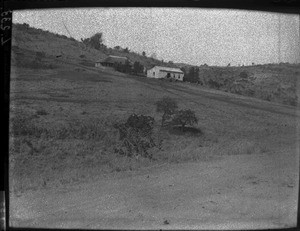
(162, 72)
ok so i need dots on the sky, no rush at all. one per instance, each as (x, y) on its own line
(182, 35)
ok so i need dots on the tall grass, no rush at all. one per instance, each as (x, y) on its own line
(47, 154)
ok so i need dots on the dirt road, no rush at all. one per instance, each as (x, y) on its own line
(245, 191)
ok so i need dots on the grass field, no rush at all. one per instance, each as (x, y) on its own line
(62, 125)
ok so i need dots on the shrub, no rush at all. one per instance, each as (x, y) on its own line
(82, 56)
(168, 107)
(40, 55)
(22, 125)
(214, 84)
(35, 64)
(51, 66)
(96, 41)
(243, 75)
(135, 136)
(185, 117)
(41, 112)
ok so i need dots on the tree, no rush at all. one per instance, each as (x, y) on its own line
(168, 107)
(144, 53)
(117, 48)
(185, 117)
(96, 41)
(128, 67)
(192, 75)
(126, 50)
(138, 68)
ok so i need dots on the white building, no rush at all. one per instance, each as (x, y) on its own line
(165, 72)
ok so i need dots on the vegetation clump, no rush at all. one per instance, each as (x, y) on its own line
(135, 136)
(96, 41)
(185, 117)
(168, 107)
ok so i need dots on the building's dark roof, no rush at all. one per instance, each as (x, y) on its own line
(112, 59)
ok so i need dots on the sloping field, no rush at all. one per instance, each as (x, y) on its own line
(37, 40)
(270, 82)
(241, 170)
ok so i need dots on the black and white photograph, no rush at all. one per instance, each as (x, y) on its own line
(154, 118)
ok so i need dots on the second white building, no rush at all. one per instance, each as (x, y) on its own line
(159, 72)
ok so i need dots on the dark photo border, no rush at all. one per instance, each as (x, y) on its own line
(7, 7)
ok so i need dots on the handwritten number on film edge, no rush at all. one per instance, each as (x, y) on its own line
(5, 27)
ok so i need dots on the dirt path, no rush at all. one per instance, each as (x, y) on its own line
(246, 191)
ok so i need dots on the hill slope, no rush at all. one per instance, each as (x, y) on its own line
(271, 82)
(54, 45)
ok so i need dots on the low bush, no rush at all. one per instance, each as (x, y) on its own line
(40, 55)
(41, 112)
(34, 64)
(184, 117)
(22, 125)
(243, 75)
(178, 130)
(85, 130)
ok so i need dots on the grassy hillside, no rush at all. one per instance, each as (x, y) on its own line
(271, 82)
(28, 39)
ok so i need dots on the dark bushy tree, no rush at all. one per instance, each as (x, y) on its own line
(135, 136)
(185, 117)
(117, 48)
(128, 67)
(192, 75)
(138, 68)
(144, 53)
(168, 107)
(96, 41)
